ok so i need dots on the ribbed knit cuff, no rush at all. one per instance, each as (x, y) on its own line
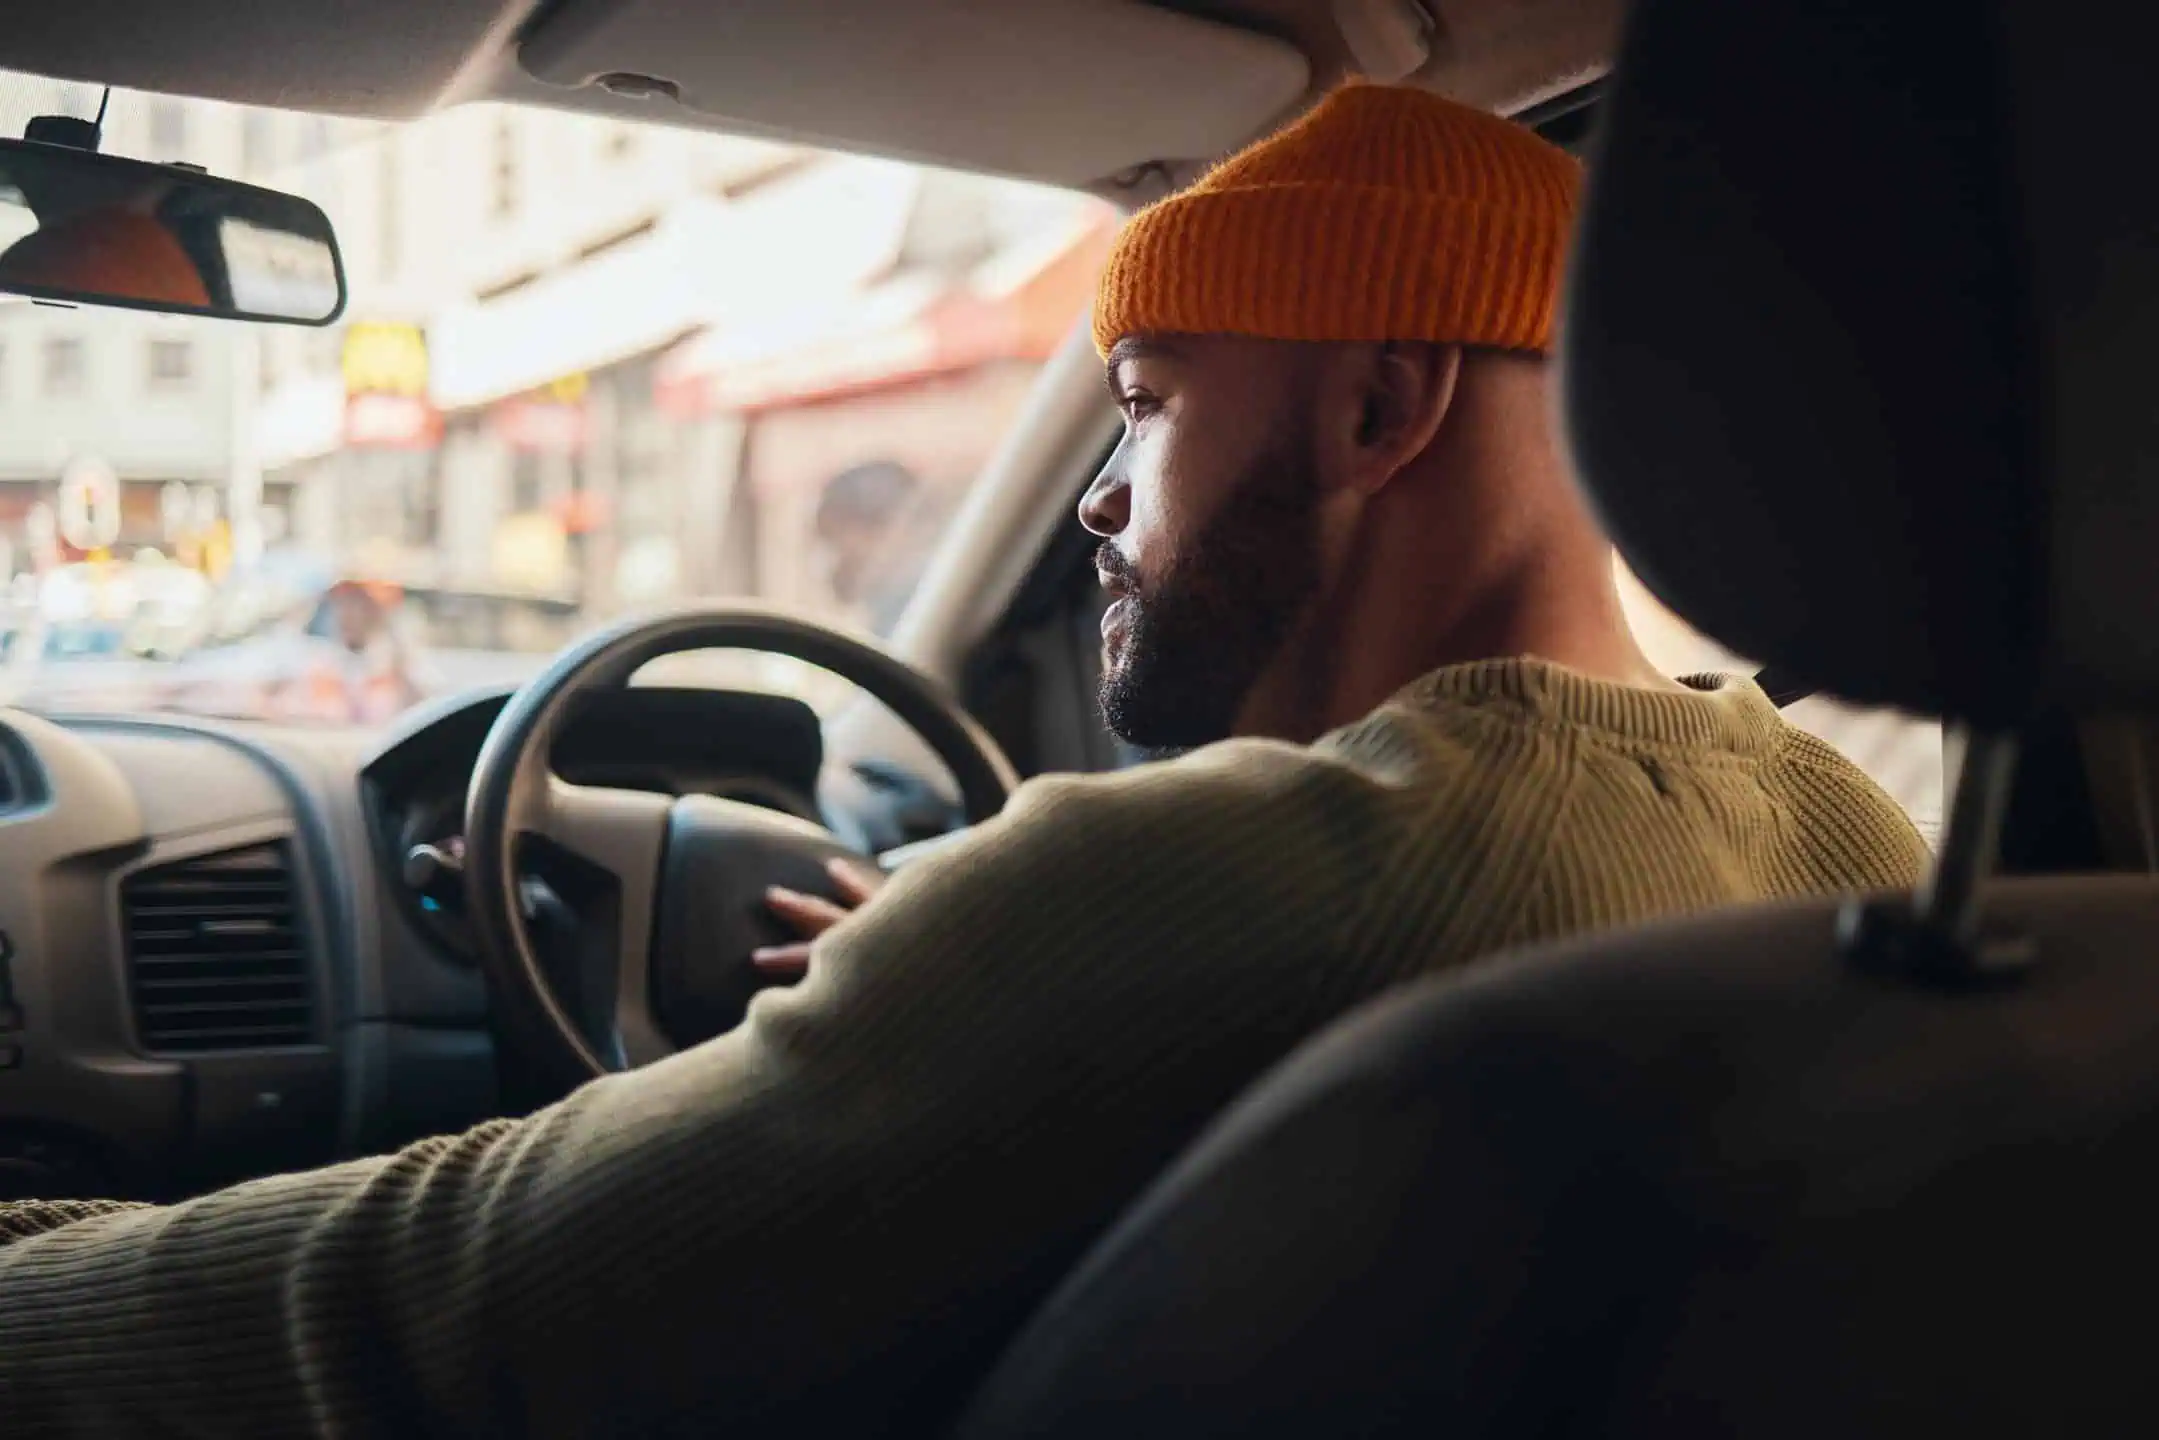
(1330, 262)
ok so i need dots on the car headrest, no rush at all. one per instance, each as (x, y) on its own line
(1857, 362)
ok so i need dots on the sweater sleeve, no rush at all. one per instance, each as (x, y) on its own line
(823, 1222)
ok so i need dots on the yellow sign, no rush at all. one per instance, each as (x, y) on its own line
(569, 390)
(216, 551)
(384, 359)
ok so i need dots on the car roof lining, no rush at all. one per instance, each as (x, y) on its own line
(821, 71)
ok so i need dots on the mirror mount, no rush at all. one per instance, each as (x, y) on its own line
(70, 131)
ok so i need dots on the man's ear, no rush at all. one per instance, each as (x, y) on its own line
(1408, 390)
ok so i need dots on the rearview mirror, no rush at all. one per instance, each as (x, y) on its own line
(91, 229)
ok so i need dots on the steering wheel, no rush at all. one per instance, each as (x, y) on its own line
(679, 881)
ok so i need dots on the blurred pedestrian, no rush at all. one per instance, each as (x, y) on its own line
(364, 675)
(864, 523)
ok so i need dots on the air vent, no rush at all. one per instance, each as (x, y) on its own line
(216, 953)
(19, 788)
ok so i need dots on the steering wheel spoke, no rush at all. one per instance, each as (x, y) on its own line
(619, 831)
(622, 833)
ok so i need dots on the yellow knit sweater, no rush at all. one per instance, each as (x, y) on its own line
(827, 1221)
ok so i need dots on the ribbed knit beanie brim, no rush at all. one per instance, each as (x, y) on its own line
(1385, 213)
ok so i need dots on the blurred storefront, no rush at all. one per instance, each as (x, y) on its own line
(867, 423)
(580, 487)
(779, 389)
(350, 462)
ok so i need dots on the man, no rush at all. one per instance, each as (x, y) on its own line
(357, 673)
(1335, 506)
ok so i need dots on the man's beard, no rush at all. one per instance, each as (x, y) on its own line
(1197, 637)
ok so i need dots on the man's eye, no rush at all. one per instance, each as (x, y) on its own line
(1138, 404)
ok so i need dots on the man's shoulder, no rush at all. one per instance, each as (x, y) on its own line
(1228, 777)
(1394, 753)
(1829, 788)
(1253, 806)
(1220, 846)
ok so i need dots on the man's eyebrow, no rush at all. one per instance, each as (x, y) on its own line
(1134, 347)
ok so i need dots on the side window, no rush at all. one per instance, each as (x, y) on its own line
(171, 364)
(66, 366)
(1901, 753)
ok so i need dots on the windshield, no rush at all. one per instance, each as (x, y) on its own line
(588, 368)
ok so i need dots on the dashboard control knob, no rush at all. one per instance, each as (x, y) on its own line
(436, 873)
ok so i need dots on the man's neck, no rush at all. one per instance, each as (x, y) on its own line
(1480, 549)
(1355, 650)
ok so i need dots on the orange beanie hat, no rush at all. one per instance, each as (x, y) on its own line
(1385, 213)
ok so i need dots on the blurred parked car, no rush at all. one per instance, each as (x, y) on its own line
(358, 650)
(92, 633)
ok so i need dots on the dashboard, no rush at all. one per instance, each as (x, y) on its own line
(215, 961)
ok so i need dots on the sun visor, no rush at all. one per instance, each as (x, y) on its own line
(1065, 91)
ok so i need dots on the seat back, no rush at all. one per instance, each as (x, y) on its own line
(1700, 1179)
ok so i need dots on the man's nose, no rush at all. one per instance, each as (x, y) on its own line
(1106, 508)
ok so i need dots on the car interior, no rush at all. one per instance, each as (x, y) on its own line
(238, 947)
(1847, 374)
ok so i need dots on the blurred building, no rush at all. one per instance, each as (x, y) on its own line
(618, 364)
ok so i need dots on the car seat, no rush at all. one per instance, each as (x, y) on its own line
(1857, 371)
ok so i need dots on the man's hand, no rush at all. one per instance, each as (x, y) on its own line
(812, 915)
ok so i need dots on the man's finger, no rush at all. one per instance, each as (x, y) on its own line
(812, 915)
(790, 960)
(857, 882)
